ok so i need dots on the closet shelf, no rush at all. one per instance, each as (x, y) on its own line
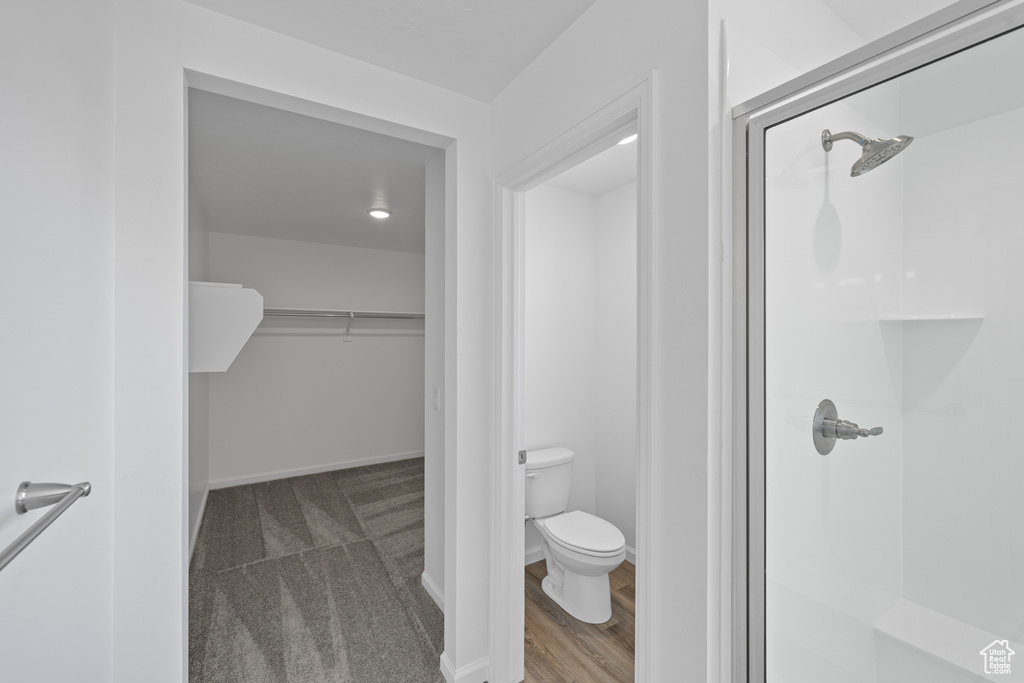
(330, 313)
(221, 318)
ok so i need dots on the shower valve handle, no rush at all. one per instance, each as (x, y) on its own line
(844, 429)
(828, 428)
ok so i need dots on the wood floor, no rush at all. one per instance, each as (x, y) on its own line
(561, 649)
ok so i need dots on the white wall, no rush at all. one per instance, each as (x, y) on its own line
(198, 382)
(56, 284)
(615, 480)
(612, 48)
(433, 380)
(299, 398)
(156, 42)
(580, 355)
(561, 359)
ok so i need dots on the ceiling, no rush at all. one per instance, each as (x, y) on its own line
(256, 170)
(473, 47)
(606, 171)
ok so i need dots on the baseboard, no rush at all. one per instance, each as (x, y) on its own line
(316, 469)
(476, 672)
(199, 523)
(432, 590)
(536, 554)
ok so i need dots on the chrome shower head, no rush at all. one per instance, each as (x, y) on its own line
(876, 152)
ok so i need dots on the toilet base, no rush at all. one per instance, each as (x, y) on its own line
(587, 598)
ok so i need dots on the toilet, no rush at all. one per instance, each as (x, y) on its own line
(579, 548)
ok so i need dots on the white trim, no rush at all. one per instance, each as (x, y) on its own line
(475, 672)
(433, 591)
(315, 469)
(199, 523)
(632, 109)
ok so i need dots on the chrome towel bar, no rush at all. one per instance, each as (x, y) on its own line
(32, 496)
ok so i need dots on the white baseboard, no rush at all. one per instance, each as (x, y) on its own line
(433, 591)
(536, 554)
(199, 523)
(475, 672)
(316, 469)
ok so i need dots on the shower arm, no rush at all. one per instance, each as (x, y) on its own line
(828, 137)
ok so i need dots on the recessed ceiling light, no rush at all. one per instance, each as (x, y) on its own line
(379, 213)
(626, 141)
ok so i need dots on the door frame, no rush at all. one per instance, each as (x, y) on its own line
(632, 111)
(443, 327)
(960, 26)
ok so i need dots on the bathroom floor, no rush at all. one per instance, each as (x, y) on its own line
(315, 579)
(561, 649)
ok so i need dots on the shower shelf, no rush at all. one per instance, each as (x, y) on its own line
(930, 318)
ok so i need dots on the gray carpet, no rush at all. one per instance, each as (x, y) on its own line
(315, 579)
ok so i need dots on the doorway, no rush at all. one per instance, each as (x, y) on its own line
(630, 113)
(881, 327)
(389, 358)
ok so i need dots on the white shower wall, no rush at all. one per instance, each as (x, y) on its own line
(833, 263)
(891, 557)
(581, 344)
(963, 470)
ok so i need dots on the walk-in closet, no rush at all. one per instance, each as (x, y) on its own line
(315, 402)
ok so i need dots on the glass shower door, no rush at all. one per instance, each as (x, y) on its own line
(894, 370)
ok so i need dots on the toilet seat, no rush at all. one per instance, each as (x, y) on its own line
(584, 533)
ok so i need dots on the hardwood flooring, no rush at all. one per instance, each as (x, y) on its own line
(561, 649)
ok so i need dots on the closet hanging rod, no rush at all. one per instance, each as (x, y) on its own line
(326, 313)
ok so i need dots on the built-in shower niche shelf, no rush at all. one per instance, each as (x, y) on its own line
(930, 318)
(221, 318)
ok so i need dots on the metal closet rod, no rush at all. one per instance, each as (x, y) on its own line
(31, 496)
(326, 313)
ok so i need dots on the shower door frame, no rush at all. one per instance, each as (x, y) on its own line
(960, 26)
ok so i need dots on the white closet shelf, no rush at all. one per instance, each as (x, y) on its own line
(221, 318)
(332, 313)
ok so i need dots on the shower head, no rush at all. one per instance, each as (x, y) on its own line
(876, 152)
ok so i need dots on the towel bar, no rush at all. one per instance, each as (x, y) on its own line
(32, 496)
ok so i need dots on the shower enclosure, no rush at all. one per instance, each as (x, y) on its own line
(886, 374)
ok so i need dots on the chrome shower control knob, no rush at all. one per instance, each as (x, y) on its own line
(827, 428)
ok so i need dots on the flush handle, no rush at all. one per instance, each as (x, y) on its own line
(828, 428)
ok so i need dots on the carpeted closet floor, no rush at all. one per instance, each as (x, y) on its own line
(315, 579)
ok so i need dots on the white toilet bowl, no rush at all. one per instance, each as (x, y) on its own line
(580, 551)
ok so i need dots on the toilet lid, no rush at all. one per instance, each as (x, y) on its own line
(585, 533)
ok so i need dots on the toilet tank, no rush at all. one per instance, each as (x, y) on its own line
(548, 481)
